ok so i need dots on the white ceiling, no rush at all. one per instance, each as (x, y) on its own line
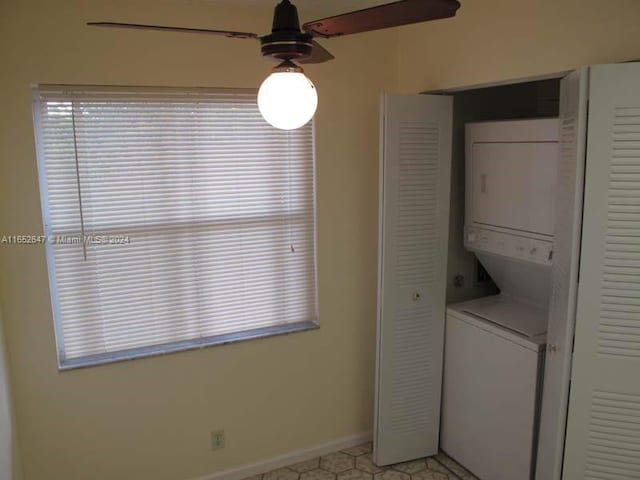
(315, 8)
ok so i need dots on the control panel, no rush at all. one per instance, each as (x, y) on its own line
(509, 245)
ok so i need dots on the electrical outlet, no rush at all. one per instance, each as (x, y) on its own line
(217, 440)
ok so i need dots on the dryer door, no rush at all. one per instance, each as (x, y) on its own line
(513, 185)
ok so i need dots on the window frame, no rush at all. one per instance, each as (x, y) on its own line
(65, 364)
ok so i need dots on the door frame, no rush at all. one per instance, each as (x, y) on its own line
(499, 83)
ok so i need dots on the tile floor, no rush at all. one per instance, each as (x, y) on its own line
(356, 464)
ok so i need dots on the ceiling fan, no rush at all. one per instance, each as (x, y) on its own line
(287, 98)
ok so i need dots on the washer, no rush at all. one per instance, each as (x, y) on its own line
(494, 356)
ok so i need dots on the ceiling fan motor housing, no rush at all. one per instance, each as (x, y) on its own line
(286, 41)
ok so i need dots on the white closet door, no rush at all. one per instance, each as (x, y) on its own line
(603, 431)
(415, 175)
(564, 274)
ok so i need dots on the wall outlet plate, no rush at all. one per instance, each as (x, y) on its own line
(218, 440)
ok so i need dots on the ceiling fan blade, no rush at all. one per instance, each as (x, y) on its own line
(163, 28)
(394, 14)
(319, 54)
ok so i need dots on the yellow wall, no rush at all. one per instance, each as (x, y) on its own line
(151, 419)
(497, 40)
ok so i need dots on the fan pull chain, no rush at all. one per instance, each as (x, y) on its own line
(75, 148)
(292, 246)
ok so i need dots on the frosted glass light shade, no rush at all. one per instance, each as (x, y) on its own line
(287, 99)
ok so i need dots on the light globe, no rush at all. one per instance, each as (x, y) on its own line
(287, 98)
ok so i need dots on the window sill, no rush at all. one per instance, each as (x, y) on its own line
(95, 360)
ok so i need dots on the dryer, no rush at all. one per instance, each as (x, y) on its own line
(511, 177)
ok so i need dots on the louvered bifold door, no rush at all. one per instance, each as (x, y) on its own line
(414, 225)
(564, 274)
(603, 431)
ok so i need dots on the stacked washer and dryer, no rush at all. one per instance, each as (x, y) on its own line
(494, 346)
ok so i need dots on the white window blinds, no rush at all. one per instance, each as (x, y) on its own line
(174, 219)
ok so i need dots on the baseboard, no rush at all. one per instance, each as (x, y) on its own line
(246, 471)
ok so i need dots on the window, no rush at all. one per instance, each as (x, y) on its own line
(174, 219)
